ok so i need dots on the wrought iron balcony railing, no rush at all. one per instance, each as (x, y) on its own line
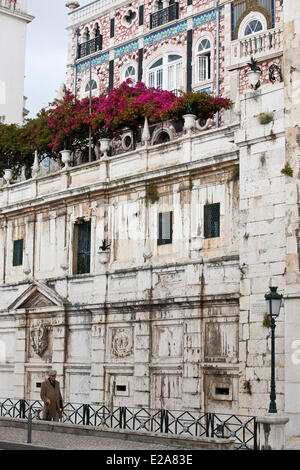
(89, 47)
(164, 16)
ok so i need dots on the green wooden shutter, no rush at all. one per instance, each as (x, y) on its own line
(84, 248)
(18, 253)
(212, 220)
(165, 231)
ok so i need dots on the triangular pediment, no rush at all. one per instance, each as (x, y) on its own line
(37, 295)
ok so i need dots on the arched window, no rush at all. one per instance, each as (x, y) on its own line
(96, 30)
(161, 138)
(86, 35)
(166, 73)
(130, 72)
(254, 26)
(90, 86)
(203, 60)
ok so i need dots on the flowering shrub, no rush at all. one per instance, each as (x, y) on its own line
(203, 105)
(67, 122)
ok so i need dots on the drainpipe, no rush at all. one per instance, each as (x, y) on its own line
(75, 67)
(217, 55)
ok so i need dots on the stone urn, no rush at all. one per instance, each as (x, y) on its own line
(254, 79)
(104, 256)
(189, 122)
(66, 158)
(104, 145)
(8, 175)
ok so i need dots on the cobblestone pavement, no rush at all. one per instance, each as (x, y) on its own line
(63, 441)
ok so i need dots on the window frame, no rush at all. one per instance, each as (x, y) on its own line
(208, 53)
(208, 230)
(18, 252)
(135, 73)
(163, 71)
(165, 241)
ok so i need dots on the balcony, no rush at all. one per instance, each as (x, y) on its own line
(89, 47)
(164, 16)
(259, 45)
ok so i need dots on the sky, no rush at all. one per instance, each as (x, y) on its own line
(46, 52)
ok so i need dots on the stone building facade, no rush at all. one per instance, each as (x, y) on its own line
(171, 314)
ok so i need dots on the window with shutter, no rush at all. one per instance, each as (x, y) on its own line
(212, 220)
(18, 253)
(83, 239)
(165, 230)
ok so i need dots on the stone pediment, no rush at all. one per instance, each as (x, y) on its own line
(37, 300)
(38, 295)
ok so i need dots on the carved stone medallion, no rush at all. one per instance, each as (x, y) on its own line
(39, 338)
(122, 342)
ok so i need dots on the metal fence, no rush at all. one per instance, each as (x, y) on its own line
(179, 423)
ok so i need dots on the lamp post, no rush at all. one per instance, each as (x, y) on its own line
(273, 304)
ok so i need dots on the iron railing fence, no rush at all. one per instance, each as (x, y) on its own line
(164, 16)
(185, 423)
(89, 47)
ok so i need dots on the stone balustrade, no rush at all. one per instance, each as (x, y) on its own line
(194, 150)
(94, 8)
(258, 45)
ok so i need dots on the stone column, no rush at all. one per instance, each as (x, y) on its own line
(98, 358)
(142, 348)
(59, 347)
(272, 432)
(191, 357)
(20, 357)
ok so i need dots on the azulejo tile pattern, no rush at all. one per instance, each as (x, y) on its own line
(205, 17)
(100, 59)
(132, 46)
(165, 33)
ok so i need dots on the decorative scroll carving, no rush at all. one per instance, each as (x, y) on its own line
(122, 344)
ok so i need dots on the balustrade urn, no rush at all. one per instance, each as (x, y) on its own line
(65, 158)
(8, 175)
(189, 123)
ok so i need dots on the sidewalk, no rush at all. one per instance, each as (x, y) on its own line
(62, 441)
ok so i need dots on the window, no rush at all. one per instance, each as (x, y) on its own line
(165, 228)
(91, 86)
(130, 73)
(203, 61)
(82, 244)
(164, 14)
(254, 26)
(18, 253)
(129, 18)
(161, 138)
(167, 73)
(212, 220)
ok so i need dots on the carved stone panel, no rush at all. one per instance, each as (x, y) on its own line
(221, 341)
(39, 335)
(167, 341)
(121, 342)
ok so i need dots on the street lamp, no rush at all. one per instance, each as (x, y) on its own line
(273, 305)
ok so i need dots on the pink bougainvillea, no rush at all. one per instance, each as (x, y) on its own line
(124, 107)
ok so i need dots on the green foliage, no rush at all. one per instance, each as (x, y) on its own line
(266, 321)
(265, 118)
(287, 170)
(151, 193)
